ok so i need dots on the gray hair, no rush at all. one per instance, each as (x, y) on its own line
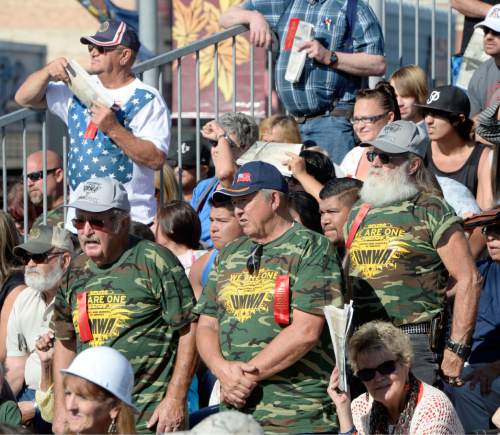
(242, 126)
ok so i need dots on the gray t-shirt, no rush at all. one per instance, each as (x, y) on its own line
(484, 86)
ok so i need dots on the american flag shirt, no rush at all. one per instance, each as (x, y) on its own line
(100, 157)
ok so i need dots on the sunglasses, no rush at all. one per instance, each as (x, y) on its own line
(487, 30)
(386, 368)
(384, 157)
(35, 176)
(40, 258)
(491, 230)
(367, 119)
(95, 223)
(100, 50)
(253, 261)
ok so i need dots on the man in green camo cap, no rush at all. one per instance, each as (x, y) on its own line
(131, 295)
(406, 246)
(261, 328)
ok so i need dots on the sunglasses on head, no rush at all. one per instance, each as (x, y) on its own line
(253, 261)
(386, 368)
(384, 157)
(35, 176)
(100, 49)
(40, 258)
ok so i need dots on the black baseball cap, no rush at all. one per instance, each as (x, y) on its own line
(188, 154)
(112, 33)
(448, 99)
(252, 177)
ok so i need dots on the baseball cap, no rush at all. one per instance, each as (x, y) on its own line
(107, 368)
(485, 218)
(450, 99)
(226, 423)
(492, 19)
(43, 238)
(252, 177)
(112, 33)
(400, 137)
(100, 194)
(188, 152)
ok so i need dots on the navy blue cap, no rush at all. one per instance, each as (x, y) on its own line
(112, 33)
(252, 177)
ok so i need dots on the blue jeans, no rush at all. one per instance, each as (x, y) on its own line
(332, 133)
(425, 362)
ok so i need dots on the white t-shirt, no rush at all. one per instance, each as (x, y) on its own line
(151, 123)
(29, 318)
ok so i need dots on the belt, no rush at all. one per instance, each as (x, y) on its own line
(344, 112)
(416, 328)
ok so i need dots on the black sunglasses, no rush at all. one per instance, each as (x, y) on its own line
(95, 223)
(100, 49)
(384, 157)
(253, 261)
(35, 176)
(491, 230)
(487, 30)
(386, 368)
(40, 258)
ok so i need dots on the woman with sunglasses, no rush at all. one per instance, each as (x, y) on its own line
(373, 109)
(396, 402)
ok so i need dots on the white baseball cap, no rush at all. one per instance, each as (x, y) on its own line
(492, 19)
(107, 368)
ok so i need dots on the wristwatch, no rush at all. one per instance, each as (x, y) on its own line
(461, 349)
(333, 59)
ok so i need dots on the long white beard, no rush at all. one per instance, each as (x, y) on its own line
(383, 188)
(43, 281)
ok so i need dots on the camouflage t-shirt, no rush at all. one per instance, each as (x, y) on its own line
(135, 306)
(396, 272)
(55, 218)
(294, 400)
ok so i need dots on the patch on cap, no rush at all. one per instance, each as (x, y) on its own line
(104, 26)
(434, 96)
(244, 177)
(34, 233)
(91, 187)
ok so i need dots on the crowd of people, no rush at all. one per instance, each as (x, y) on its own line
(129, 310)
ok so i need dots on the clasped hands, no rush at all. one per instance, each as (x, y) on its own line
(237, 381)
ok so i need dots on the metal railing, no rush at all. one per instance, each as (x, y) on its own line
(395, 58)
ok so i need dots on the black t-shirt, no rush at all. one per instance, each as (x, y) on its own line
(469, 24)
(16, 279)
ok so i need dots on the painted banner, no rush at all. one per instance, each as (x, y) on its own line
(194, 20)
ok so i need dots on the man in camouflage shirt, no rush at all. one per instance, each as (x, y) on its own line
(405, 247)
(55, 186)
(131, 295)
(261, 328)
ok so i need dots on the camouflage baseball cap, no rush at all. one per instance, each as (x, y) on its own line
(44, 238)
(100, 194)
(226, 423)
(400, 137)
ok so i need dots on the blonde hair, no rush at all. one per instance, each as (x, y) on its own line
(291, 132)
(170, 185)
(411, 81)
(379, 336)
(9, 263)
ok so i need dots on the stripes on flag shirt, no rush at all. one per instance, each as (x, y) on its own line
(143, 112)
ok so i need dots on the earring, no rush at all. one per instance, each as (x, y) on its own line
(112, 427)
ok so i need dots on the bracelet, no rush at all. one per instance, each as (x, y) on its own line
(351, 431)
(35, 405)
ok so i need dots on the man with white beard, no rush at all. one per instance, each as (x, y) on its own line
(404, 243)
(47, 255)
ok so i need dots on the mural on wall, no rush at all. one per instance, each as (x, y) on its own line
(194, 20)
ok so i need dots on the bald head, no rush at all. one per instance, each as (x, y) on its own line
(55, 178)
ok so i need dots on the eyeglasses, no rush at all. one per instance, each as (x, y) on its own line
(100, 49)
(487, 30)
(253, 262)
(386, 368)
(35, 176)
(95, 223)
(491, 230)
(40, 258)
(367, 119)
(384, 157)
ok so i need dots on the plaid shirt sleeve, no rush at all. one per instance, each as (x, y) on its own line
(272, 10)
(367, 35)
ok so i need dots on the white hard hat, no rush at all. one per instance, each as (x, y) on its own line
(107, 368)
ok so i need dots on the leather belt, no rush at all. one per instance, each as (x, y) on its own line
(344, 112)
(416, 328)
